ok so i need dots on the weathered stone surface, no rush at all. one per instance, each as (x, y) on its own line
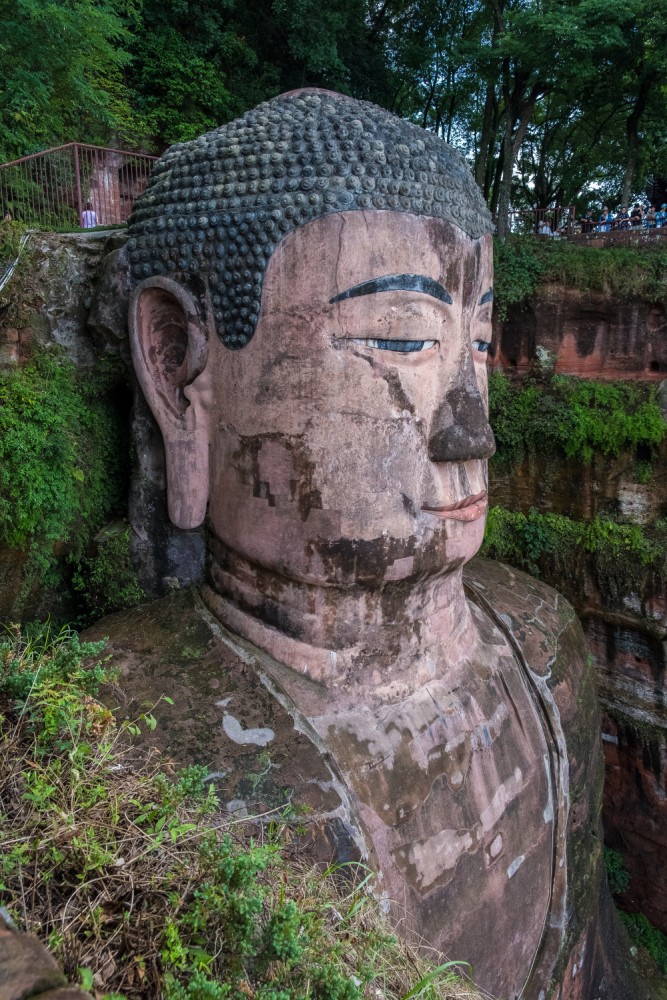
(592, 334)
(607, 487)
(49, 296)
(624, 616)
(28, 971)
(233, 713)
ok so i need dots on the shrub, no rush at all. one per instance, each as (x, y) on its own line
(63, 459)
(571, 417)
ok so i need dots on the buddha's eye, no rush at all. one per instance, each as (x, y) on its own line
(481, 345)
(399, 346)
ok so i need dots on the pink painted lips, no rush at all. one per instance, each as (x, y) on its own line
(468, 509)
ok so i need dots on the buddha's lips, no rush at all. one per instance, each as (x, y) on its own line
(468, 509)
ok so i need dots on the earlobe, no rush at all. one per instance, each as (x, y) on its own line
(169, 341)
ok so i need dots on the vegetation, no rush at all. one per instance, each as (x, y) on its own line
(522, 263)
(550, 102)
(645, 934)
(105, 577)
(132, 877)
(11, 234)
(618, 875)
(63, 458)
(641, 930)
(621, 556)
(571, 417)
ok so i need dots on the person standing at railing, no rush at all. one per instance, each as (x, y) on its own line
(88, 217)
(649, 218)
(622, 220)
(636, 216)
(661, 217)
(587, 222)
(605, 220)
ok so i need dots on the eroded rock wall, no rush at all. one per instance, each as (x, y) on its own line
(624, 608)
(592, 334)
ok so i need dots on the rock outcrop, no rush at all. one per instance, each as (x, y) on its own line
(592, 334)
(623, 611)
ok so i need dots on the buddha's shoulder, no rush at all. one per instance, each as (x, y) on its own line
(539, 622)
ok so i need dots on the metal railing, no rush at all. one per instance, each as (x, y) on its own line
(73, 185)
(543, 221)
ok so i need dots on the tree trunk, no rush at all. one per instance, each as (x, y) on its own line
(632, 132)
(511, 151)
(485, 138)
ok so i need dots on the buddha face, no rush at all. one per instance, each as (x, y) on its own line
(347, 442)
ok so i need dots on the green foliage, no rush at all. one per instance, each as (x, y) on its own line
(522, 263)
(63, 452)
(618, 875)
(11, 234)
(517, 270)
(571, 417)
(107, 580)
(62, 71)
(133, 877)
(621, 556)
(644, 933)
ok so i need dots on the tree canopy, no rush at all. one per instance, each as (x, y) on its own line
(552, 101)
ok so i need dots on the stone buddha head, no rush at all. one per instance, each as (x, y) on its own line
(309, 324)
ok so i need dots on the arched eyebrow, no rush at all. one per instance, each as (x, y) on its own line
(487, 297)
(396, 283)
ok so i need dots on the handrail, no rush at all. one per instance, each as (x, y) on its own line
(81, 145)
(75, 184)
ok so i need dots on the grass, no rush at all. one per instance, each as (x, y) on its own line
(127, 870)
(522, 263)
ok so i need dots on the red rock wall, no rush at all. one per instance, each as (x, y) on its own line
(595, 336)
(589, 333)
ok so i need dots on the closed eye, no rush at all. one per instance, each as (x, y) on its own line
(481, 345)
(400, 346)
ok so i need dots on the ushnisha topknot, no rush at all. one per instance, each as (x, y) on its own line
(219, 206)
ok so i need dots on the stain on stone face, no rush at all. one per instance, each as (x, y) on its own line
(461, 428)
(397, 393)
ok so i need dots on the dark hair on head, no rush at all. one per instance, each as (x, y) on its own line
(218, 207)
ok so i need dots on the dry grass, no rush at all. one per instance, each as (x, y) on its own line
(127, 870)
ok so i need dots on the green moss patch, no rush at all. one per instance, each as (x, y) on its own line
(622, 557)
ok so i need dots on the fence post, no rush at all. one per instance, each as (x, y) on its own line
(78, 180)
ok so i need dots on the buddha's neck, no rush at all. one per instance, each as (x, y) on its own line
(403, 632)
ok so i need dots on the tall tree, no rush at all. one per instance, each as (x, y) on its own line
(62, 71)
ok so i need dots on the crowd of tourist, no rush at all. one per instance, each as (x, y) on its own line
(639, 217)
(557, 222)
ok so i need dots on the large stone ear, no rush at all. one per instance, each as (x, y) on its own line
(169, 341)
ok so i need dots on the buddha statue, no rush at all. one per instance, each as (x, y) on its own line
(310, 317)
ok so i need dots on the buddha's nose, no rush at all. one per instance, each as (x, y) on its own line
(461, 429)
